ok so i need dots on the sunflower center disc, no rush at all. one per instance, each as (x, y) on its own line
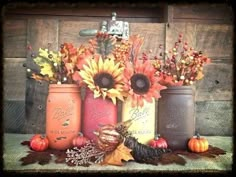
(140, 83)
(104, 80)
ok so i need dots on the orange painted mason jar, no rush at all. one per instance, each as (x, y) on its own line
(96, 112)
(63, 115)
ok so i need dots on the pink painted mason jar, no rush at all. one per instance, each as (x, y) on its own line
(96, 112)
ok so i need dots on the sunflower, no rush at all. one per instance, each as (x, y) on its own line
(104, 78)
(141, 83)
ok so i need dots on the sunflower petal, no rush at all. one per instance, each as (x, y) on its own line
(115, 66)
(117, 72)
(89, 69)
(84, 75)
(113, 92)
(104, 94)
(149, 98)
(100, 65)
(113, 100)
(106, 65)
(96, 94)
(140, 101)
(94, 65)
(120, 97)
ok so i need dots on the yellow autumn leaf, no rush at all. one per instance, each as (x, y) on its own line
(46, 69)
(116, 156)
(55, 55)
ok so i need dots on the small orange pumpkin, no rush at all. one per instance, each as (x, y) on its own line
(198, 144)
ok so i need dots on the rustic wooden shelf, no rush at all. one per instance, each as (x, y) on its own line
(13, 151)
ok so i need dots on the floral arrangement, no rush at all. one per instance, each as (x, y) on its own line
(182, 65)
(102, 72)
(114, 70)
(59, 67)
(109, 68)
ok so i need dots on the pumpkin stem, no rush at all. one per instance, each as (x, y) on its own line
(198, 135)
(157, 136)
(80, 134)
(96, 133)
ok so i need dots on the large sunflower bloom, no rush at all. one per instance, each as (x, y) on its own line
(104, 78)
(140, 82)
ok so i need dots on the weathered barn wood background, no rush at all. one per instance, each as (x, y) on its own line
(207, 27)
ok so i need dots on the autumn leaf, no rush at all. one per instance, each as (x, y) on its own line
(45, 54)
(170, 158)
(46, 69)
(116, 156)
(32, 157)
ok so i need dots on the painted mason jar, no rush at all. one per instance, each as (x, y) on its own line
(63, 115)
(143, 124)
(176, 116)
(97, 112)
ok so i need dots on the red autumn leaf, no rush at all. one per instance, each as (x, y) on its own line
(170, 158)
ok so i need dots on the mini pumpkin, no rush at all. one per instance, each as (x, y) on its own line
(39, 142)
(198, 144)
(80, 140)
(108, 138)
(158, 142)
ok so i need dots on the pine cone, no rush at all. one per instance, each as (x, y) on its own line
(143, 153)
(123, 127)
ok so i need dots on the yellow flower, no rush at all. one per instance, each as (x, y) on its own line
(104, 78)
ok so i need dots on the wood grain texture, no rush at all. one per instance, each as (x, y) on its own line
(214, 118)
(14, 79)
(153, 34)
(174, 29)
(216, 41)
(122, 12)
(203, 13)
(90, 19)
(36, 95)
(217, 83)
(43, 33)
(69, 31)
(14, 38)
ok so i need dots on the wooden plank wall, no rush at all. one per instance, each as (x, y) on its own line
(15, 32)
(40, 29)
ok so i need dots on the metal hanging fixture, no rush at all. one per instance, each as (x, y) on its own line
(119, 29)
